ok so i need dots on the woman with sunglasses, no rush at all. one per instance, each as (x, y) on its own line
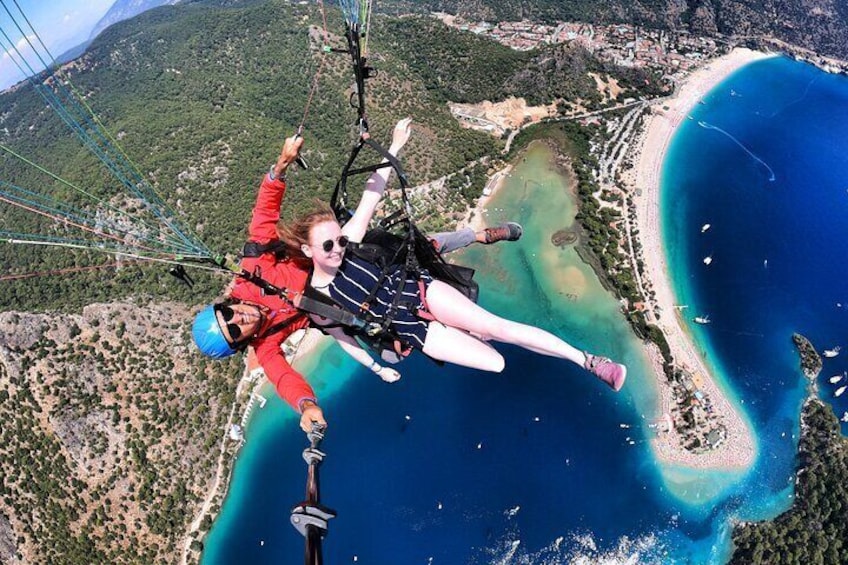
(440, 321)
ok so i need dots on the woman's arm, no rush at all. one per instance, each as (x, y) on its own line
(356, 227)
(352, 348)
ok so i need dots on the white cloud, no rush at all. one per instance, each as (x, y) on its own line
(23, 43)
(13, 58)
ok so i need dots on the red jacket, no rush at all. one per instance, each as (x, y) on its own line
(290, 385)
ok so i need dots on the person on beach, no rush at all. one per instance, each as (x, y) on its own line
(431, 315)
(250, 317)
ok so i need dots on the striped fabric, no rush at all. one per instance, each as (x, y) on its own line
(354, 282)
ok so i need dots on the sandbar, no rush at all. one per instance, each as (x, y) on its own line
(739, 449)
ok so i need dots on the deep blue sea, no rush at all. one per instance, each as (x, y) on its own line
(542, 464)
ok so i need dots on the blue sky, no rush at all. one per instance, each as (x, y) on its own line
(61, 24)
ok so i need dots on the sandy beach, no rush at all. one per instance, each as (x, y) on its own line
(738, 451)
(475, 219)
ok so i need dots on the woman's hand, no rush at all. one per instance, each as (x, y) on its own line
(401, 134)
(388, 374)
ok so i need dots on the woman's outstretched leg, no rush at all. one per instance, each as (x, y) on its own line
(455, 346)
(452, 308)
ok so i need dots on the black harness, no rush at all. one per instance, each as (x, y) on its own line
(397, 241)
(254, 249)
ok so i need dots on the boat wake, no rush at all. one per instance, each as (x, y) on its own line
(706, 125)
(578, 549)
(795, 101)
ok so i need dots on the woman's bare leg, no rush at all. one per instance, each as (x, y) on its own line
(455, 346)
(452, 308)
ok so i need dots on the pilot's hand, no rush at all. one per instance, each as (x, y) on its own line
(312, 414)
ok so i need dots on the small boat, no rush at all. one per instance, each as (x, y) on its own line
(705, 227)
(708, 259)
(845, 417)
(832, 352)
(702, 319)
(835, 379)
(840, 390)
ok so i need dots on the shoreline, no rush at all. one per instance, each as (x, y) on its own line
(474, 217)
(738, 451)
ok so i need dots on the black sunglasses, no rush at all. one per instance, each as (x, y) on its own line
(327, 246)
(227, 314)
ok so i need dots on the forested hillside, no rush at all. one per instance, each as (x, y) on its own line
(818, 25)
(814, 531)
(201, 97)
(110, 435)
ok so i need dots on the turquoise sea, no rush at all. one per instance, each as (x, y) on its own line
(542, 464)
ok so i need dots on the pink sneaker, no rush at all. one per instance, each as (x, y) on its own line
(611, 373)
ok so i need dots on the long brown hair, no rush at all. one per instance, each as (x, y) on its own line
(296, 233)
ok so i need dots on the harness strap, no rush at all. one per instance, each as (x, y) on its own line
(331, 312)
(254, 249)
(410, 266)
(424, 312)
(278, 327)
(384, 273)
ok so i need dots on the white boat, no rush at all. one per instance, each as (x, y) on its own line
(845, 417)
(840, 390)
(702, 319)
(705, 227)
(832, 352)
(835, 379)
(708, 259)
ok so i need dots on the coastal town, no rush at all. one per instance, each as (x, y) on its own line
(670, 53)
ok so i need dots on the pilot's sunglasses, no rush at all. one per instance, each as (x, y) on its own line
(227, 314)
(327, 246)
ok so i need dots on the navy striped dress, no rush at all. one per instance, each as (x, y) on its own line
(354, 282)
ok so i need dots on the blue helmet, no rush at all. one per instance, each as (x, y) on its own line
(208, 335)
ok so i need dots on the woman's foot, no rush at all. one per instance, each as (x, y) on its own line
(611, 373)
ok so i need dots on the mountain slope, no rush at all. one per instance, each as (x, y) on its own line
(125, 9)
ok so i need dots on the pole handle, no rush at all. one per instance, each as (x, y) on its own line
(301, 162)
